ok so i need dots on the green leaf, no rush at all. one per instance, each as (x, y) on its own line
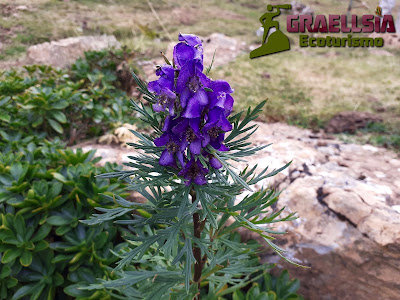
(75, 291)
(19, 224)
(4, 116)
(60, 258)
(59, 116)
(63, 230)
(37, 122)
(26, 258)
(38, 291)
(41, 245)
(59, 177)
(23, 291)
(5, 271)
(56, 126)
(42, 233)
(16, 170)
(60, 104)
(58, 221)
(58, 279)
(10, 255)
(266, 296)
(54, 190)
(11, 282)
(4, 100)
(253, 292)
(6, 179)
(238, 295)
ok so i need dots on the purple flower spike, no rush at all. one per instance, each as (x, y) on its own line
(196, 111)
(194, 172)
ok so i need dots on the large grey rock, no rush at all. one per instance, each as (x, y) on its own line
(347, 197)
(64, 52)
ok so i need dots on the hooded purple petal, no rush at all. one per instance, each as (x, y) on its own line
(190, 39)
(200, 179)
(215, 163)
(162, 140)
(167, 158)
(193, 109)
(182, 54)
(195, 146)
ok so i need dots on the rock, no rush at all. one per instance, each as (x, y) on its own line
(350, 121)
(300, 9)
(260, 31)
(108, 153)
(64, 52)
(390, 39)
(349, 226)
(348, 200)
(21, 7)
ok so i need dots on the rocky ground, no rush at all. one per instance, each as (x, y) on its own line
(348, 200)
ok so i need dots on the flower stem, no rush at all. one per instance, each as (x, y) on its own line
(197, 228)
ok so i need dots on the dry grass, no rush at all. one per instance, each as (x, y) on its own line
(304, 87)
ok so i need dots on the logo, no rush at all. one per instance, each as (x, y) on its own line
(274, 40)
(378, 11)
(277, 41)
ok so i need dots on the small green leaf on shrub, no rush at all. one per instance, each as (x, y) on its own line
(56, 126)
(10, 255)
(26, 258)
(59, 116)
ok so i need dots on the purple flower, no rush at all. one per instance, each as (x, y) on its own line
(165, 99)
(189, 49)
(190, 86)
(189, 132)
(166, 80)
(213, 131)
(172, 145)
(194, 171)
(220, 96)
(163, 88)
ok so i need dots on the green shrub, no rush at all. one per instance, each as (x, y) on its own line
(79, 103)
(46, 189)
(43, 195)
(269, 287)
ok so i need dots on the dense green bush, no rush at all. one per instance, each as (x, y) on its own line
(45, 189)
(78, 103)
(44, 192)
